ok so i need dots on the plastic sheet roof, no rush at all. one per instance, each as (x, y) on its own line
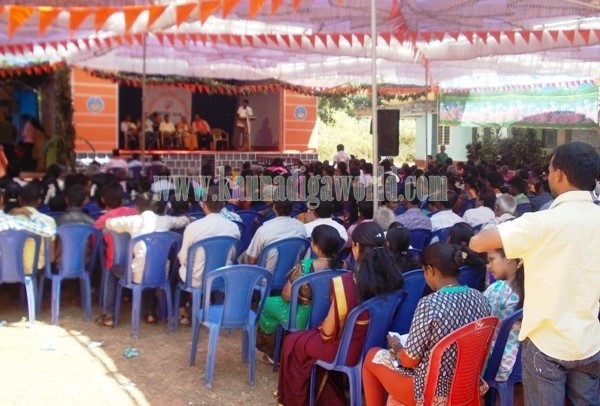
(451, 43)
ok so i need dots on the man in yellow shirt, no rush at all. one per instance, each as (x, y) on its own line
(560, 329)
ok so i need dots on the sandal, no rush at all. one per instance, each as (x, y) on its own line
(184, 318)
(105, 320)
(150, 319)
(265, 359)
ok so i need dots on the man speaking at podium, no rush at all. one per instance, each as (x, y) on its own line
(244, 117)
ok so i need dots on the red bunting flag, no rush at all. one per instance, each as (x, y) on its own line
(160, 37)
(554, 34)
(539, 34)
(286, 39)
(387, 38)
(360, 38)
(511, 36)
(425, 36)
(275, 5)
(570, 34)
(298, 39)
(496, 35)
(454, 34)
(296, 4)
(525, 34)
(585, 35)
(483, 36)
(335, 38)
(171, 38)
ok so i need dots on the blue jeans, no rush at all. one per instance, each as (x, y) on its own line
(549, 381)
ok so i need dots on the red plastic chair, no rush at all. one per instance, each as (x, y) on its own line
(472, 344)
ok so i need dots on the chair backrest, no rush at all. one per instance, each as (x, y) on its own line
(442, 234)
(120, 246)
(522, 209)
(381, 311)
(472, 342)
(74, 241)
(216, 253)
(319, 282)
(161, 250)
(219, 134)
(495, 357)
(419, 238)
(239, 284)
(12, 243)
(289, 251)
(414, 286)
(136, 171)
(472, 277)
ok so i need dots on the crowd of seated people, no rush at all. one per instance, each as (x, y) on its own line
(345, 233)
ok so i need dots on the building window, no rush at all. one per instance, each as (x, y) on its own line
(549, 138)
(443, 137)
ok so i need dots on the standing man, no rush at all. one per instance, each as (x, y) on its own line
(442, 156)
(560, 329)
(340, 155)
(244, 116)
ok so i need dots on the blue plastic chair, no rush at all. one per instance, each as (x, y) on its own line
(504, 389)
(414, 286)
(12, 270)
(419, 238)
(319, 282)
(74, 239)
(472, 277)
(381, 310)
(239, 284)
(120, 246)
(442, 234)
(289, 251)
(522, 209)
(252, 220)
(216, 254)
(161, 249)
(242, 227)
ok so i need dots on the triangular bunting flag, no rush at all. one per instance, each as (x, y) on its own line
(131, 14)
(298, 39)
(335, 38)
(139, 38)
(347, 37)
(399, 37)
(296, 4)
(585, 34)
(208, 8)
(154, 12)
(171, 38)
(102, 14)
(237, 39)
(511, 36)
(439, 35)
(454, 35)
(28, 47)
(539, 34)
(226, 38)
(1, 9)
(322, 39)
(193, 37)
(11, 48)
(275, 5)
(78, 14)
(184, 11)
(128, 38)
(483, 36)
(160, 37)
(263, 38)
(214, 38)
(254, 7)
(525, 34)
(273, 38)
(182, 38)
(17, 15)
(228, 6)
(286, 38)
(570, 34)
(86, 42)
(597, 32)
(119, 40)
(47, 17)
(250, 39)
(496, 35)
(19, 49)
(468, 35)
(202, 38)
(312, 40)
(426, 36)
(360, 38)
(387, 37)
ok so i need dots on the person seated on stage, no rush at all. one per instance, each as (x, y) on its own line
(202, 129)
(167, 132)
(130, 132)
(184, 130)
(151, 131)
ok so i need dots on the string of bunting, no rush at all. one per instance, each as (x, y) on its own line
(212, 86)
(32, 69)
(515, 88)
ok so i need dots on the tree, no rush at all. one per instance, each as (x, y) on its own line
(64, 129)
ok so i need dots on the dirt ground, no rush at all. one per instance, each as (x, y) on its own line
(63, 365)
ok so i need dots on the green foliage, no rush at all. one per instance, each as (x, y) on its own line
(63, 126)
(520, 149)
(485, 149)
(328, 105)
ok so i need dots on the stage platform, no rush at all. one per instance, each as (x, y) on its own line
(182, 162)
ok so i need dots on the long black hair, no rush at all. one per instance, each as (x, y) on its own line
(375, 273)
(329, 242)
(398, 242)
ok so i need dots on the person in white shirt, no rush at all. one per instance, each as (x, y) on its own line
(341, 155)
(484, 212)
(244, 116)
(443, 216)
(323, 215)
(167, 132)
(115, 163)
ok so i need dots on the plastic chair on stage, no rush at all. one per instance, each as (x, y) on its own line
(504, 388)
(319, 305)
(239, 284)
(12, 269)
(74, 264)
(220, 249)
(381, 310)
(120, 246)
(472, 278)
(220, 137)
(161, 250)
(288, 252)
(414, 286)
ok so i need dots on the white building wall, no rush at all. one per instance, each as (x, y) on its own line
(426, 140)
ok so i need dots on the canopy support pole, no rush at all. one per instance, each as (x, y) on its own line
(142, 137)
(374, 102)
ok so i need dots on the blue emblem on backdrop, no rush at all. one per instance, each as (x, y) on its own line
(95, 104)
(300, 112)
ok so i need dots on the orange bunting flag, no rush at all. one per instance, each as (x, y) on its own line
(17, 15)
(131, 14)
(153, 13)
(255, 6)
(78, 14)
(102, 14)
(275, 4)
(228, 6)
(47, 16)
(208, 8)
(1, 9)
(184, 11)
(296, 4)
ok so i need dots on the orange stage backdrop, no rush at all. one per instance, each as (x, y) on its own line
(96, 112)
(299, 118)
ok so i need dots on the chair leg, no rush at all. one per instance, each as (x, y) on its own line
(355, 382)
(213, 339)
(170, 316)
(40, 295)
(245, 345)
(136, 307)
(176, 302)
(31, 298)
(313, 381)
(277, 350)
(196, 304)
(117, 315)
(251, 354)
(87, 306)
(55, 308)
(195, 339)
(103, 282)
